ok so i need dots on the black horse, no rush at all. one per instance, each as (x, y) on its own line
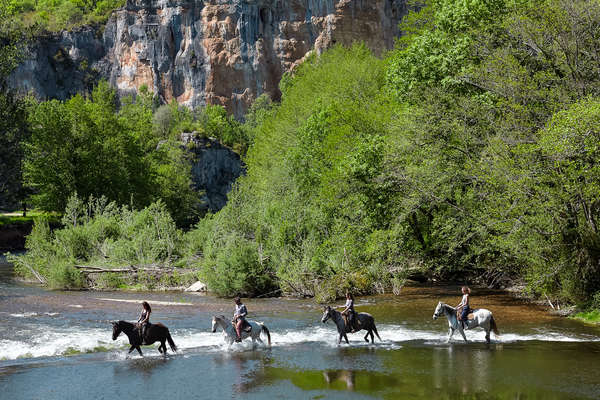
(154, 333)
(365, 321)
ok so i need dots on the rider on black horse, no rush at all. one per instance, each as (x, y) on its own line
(239, 317)
(350, 313)
(144, 319)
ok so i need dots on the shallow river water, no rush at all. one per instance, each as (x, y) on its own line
(57, 345)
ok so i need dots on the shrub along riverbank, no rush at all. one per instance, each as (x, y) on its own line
(469, 153)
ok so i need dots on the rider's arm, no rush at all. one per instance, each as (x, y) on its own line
(243, 311)
(141, 317)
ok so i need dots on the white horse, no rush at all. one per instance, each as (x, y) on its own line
(481, 317)
(230, 335)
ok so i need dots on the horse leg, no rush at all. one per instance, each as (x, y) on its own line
(463, 334)
(139, 350)
(367, 335)
(346, 337)
(450, 333)
(487, 334)
(372, 337)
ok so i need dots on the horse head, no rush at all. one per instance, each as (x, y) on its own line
(439, 310)
(214, 323)
(326, 314)
(116, 330)
(218, 320)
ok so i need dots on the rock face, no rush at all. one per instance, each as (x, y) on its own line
(224, 52)
(214, 169)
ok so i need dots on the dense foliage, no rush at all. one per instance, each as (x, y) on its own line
(96, 150)
(13, 126)
(469, 154)
(56, 15)
(101, 234)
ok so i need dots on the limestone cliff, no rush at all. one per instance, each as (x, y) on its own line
(224, 52)
(214, 169)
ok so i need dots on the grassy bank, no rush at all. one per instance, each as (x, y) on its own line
(589, 317)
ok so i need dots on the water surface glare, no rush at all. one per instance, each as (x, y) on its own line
(58, 345)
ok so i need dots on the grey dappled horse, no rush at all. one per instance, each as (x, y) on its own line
(365, 321)
(229, 331)
(481, 317)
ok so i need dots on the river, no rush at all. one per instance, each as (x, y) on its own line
(57, 345)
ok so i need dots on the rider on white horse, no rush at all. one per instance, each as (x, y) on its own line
(463, 307)
(239, 318)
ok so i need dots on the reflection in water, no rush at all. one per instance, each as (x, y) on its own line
(463, 367)
(345, 376)
(247, 368)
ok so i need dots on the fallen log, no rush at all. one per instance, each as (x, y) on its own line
(130, 268)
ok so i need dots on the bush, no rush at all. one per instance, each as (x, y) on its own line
(235, 269)
(100, 234)
(62, 275)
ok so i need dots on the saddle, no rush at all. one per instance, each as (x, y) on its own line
(246, 327)
(347, 323)
(469, 316)
(139, 328)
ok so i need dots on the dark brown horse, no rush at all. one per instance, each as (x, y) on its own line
(154, 333)
(364, 321)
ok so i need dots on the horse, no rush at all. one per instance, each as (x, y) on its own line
(365, 321)
(154, 333)
(229, 334)
(481, 317)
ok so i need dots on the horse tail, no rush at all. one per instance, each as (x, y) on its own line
(171, 342)
(494, 327)
(376, 333)
(266, 331)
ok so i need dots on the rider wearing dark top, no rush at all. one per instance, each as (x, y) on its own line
(349, 311)
(463, 307)
(239, 317)
(144, 319)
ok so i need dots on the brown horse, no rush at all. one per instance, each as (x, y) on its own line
(364, 321)
(154, 333)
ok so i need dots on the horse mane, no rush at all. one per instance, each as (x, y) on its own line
(126, 323)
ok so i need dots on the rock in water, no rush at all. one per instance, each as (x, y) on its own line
(199, 52)
(197, 287)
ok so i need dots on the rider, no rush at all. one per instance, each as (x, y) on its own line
(349, 311)
(144, 319)
(239, 317)
(463, 306)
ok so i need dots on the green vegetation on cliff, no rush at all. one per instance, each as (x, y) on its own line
(56, 15)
